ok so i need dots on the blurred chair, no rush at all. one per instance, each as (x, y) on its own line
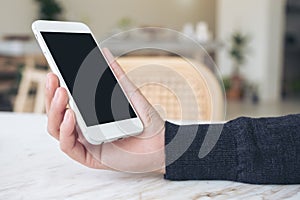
(177, 89)
(32, 77)
(8, 82)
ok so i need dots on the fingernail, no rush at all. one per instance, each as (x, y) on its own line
(67, 116)
(56, 96)
(108, 55)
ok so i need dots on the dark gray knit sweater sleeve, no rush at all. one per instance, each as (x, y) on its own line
(261, 151)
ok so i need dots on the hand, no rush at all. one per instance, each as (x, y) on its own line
(142, 153)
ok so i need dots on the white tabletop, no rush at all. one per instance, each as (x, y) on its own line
(33, 167)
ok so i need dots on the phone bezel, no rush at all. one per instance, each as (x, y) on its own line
(96, 134)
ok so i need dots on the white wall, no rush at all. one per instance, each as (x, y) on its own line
(16, 16)
(263, 21)
(103, 15)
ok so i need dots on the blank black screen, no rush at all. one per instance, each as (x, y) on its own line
(88, 77)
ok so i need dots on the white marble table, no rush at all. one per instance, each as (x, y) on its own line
(32, 167)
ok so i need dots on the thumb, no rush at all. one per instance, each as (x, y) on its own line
(118, 71)
(142, 106)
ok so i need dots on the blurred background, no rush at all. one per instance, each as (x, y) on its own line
(254, 43)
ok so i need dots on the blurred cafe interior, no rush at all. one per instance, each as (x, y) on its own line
(247, 53)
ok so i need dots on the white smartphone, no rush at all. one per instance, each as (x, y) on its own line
(102, 109)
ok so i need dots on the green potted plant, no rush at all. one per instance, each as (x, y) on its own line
(237, 53)
(49, 9)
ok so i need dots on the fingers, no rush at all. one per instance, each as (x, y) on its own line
(56, 111)
(51, 85)
(70, 145)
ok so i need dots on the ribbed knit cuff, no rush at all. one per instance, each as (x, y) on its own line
(182, 146)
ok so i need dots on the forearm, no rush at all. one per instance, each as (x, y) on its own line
(264, 150)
